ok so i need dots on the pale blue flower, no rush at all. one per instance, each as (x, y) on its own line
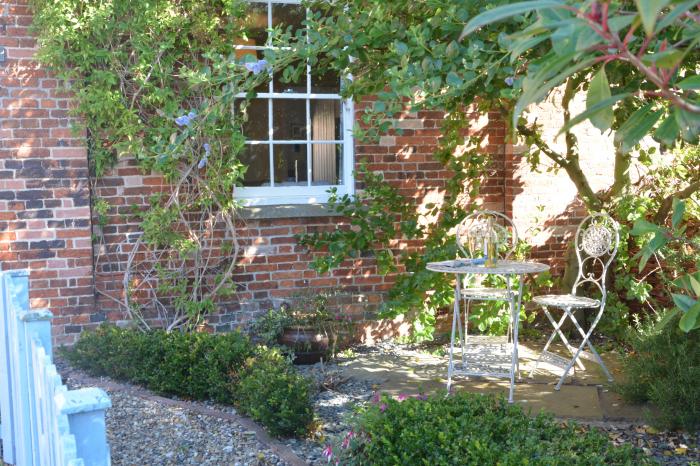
(185, 120)
(256, 67)
(510, 80)
(202, 162)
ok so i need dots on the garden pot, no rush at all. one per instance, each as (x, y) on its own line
(309, 344)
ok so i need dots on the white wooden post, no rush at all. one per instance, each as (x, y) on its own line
(43, 423)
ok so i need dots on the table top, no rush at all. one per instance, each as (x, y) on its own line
(502, 267)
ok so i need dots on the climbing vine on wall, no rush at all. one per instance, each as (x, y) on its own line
(154, 83)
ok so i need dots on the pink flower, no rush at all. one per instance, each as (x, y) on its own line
(375, 398)
(346, 440)
(402, 396)
(328, 452)
(382, 408)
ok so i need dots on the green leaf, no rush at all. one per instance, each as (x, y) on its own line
(690, 318)
(667, 132)
(540, 86)
(689, 83)
(675, 13)
(678, 211)
(667, 317)
(506, 11)
(453, 79)
(688, 123)
(401, 48)
(667, 59)
(599, 90)
(683, 302)
(694, 285)
(642, 227)
(648, 11)
(607, 103)
(638, 125)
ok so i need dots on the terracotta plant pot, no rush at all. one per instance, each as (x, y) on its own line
(309, 345)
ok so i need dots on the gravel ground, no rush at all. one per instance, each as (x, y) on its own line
(143, 431)
(148, 432)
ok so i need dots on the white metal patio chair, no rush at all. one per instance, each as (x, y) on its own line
(468, 234)
(597, 240)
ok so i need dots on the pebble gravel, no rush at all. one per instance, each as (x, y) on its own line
(143, 431)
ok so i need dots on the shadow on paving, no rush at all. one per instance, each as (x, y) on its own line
(585, 395)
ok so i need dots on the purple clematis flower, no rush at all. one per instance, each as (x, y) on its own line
(256, 67)
(185, 120)
(203, 161)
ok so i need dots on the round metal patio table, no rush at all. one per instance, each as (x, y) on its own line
(508, 269)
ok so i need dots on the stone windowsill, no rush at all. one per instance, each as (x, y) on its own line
(285, 211)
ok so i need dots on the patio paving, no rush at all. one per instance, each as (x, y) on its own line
(585, 396)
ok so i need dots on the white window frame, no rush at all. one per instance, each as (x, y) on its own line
(310, 194)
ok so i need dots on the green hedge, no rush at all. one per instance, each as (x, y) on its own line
(469, 429)
(663, 368)
(219, 367)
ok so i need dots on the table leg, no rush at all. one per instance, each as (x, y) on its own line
(455, 313)
(516, 323)
(512, 362)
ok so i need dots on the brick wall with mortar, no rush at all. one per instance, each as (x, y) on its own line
(44, 186)
(45, 220)
(273, 268)
(543, 203)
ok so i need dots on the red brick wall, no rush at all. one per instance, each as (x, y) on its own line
(45, 219)
(273, 267)
(44, 187)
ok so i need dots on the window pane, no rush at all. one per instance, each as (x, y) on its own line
(325, 120)
(255, 23)
(289, 119)
(254, 114)
(297, 85)
(328, 83)
(257, 158)
(290, 164)
(326, 164)
(288, 15)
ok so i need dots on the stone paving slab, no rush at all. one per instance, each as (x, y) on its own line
(586, 395)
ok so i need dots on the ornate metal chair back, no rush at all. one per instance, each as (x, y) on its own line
(597, 241)
(475, 226)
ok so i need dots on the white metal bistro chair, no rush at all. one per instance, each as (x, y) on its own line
(596, 243)
(468, 237)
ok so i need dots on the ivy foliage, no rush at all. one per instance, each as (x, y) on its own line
(413, 56)
(155, 83)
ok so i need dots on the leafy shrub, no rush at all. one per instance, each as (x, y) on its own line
(201, 366)
(472, 429)
(664, 368)
(273, 393)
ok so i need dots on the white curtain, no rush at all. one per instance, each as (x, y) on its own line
(324, 160)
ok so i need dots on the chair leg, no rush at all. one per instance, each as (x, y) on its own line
(584, 343)
(551, 338)
(590, 345)
(461, 335)
(579, 364)
(467, 305)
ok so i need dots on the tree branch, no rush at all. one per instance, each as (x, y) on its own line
(572, 168)
(667, 203)
(621, 174)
